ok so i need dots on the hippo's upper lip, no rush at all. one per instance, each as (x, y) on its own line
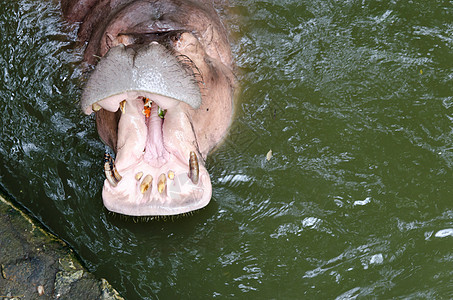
(151, 69)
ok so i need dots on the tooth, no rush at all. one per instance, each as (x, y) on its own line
(171, 175)
(123, 106)
(117, 175)
(161, 183)
(139, 176)
(110, 171)
(112, 167)
(109, 175)
(96, 107)
(146, 183)
(193, 167)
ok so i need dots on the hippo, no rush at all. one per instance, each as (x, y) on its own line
(162, 89)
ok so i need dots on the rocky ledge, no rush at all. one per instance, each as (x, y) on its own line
(35, 264)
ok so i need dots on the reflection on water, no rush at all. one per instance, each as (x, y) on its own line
(354, 98)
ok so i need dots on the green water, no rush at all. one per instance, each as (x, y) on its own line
(355, 99)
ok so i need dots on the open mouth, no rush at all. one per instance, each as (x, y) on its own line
(158, 169)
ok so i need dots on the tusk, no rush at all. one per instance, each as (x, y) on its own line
(96, 107)
(110, 171)
(193, 167)
(109, 175)
(117, 175)
(162, 183)
(123, 106)
(146, 183)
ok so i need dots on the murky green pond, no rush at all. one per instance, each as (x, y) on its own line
(355, 99)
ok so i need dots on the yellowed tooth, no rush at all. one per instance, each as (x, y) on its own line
(171, 175)
(146, 183)
(109, 175)
(162, 183)
(123, 106)
(117, 175)
(96, 107)
(110, 171)
(193, 168)
(138, 176)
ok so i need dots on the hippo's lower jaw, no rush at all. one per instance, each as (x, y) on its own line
(157, 169)
(158, 166)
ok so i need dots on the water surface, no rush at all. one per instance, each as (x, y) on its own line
(353, 97)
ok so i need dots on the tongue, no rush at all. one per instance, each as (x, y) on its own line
(155, 153)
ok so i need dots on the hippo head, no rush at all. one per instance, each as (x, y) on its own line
(162, 93)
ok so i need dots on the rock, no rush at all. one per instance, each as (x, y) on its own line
(35, 264)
